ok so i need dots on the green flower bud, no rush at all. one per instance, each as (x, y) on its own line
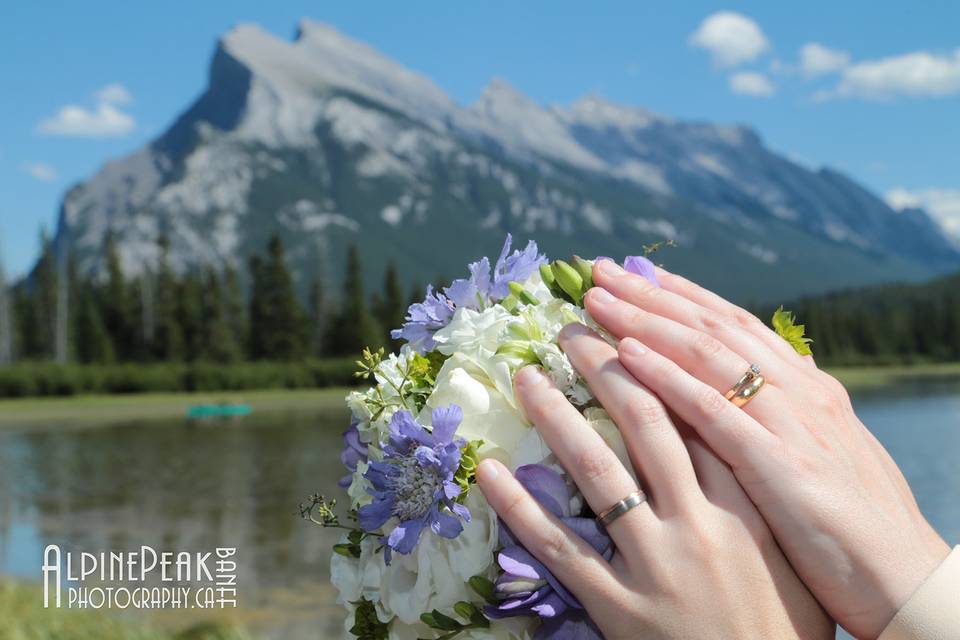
(546, 274)
(569, 280)
(522, 294)
(585, 269)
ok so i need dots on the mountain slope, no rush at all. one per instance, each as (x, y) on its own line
(327, 142)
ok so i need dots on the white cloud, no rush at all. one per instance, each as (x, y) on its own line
(105, 120)
(41, 171)
(818, 60)
(942, 204)
(751, 83)
(731, 38)
(114, 94)
(917, 74)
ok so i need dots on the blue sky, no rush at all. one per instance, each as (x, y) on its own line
(872, 89)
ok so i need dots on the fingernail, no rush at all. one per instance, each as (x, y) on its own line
(601, 296)
(632, 347)
(528, 376)
(610, 268)
(487, 471)
(572, 330)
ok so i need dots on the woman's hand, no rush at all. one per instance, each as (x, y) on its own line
(835, 500)
(696, 560)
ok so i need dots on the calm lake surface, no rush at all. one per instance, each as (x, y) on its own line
(174, 485)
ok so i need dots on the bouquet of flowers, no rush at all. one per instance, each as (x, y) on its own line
(423, 555)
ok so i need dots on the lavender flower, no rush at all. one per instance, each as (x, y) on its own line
(482, 288)
(640, 265)
(424, 319)
(415, 481)
(526, 586)
(354, 451)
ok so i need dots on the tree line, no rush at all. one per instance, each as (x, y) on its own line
(205, 314)
(886, 324)
(210, 314)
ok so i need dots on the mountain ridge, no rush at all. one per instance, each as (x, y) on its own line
(326, 141)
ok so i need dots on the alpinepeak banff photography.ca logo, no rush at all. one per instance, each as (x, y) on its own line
(140, 579)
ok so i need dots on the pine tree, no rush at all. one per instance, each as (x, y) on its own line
(40, 334)
(318, 317)
(277, 320)
(168, 344)
(92, 343)
(355, 327)
(118, 303)
(286, 319)
(190, 315)
(391, 310)
(236, 310)
(259, 313)
(6, 319)
(219, 344)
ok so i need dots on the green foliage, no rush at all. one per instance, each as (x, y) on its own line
(366, 625)
(453, 627)
(355, 328)
(484, 588)
(785, 326)
(391, 308)
(277, 320)
(885, 325)
(467, 471)
(26, 379)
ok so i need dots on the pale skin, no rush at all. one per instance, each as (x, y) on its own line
(744, 503)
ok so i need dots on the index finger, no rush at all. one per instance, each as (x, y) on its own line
(714, 302)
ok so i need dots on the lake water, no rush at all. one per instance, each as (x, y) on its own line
(181, 486)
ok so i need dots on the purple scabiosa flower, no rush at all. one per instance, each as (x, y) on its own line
(526, 587)
(354, 451)
(414, 482)
(424, 319)
(483, 287)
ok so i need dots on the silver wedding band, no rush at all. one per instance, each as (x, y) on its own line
(635, 499)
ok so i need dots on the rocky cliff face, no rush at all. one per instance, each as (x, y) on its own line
(327, 142)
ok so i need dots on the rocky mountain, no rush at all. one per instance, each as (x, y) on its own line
(327, 142)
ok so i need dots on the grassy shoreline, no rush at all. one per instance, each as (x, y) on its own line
(85, 409)
(103, 409)
(865, 378)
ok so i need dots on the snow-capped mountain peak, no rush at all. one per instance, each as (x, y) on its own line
(325, 141)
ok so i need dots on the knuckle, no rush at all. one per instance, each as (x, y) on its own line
(644, 410)
(554, 545)
(745, 319)
(716, 322)
(706, 347)
(513, 506)
(643, 289)
(667, 369)
(710, 403)
(541, 405)
(592, 465)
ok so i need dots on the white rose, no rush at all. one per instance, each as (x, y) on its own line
(487, 414)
